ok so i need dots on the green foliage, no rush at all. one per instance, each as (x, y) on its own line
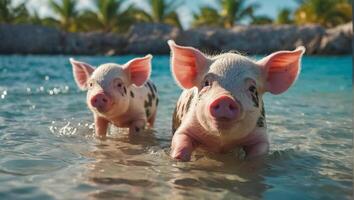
(261, 20)
(207, 16)
(67, 13)
(108, 16)
(13, 14)
(284, 16)
(160, 11)
(115, 16)
(229, 12)
(328, 13)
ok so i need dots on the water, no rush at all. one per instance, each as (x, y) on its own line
(47, 148)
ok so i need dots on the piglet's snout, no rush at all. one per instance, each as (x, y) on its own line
(224, 108)
(101, 101)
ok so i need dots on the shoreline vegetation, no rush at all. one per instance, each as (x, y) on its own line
(324, 27)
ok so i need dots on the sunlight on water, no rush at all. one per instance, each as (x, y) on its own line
(48, 149)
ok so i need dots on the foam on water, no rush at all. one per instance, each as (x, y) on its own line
(47, 147)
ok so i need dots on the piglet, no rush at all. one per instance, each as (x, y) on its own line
(221, 107)
(121, 95)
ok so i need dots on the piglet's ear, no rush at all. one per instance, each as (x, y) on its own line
(281, 69)
(187, 65)
(139, 70)
(82, 72)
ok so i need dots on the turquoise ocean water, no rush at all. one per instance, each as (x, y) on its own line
(47, 148)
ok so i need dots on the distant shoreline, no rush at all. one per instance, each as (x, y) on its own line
(151, 38)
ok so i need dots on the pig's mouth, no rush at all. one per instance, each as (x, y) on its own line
(101, 109)
(104, 109)
(223, 123)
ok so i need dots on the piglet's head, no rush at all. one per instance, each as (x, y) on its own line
(230, 86)
(108, 85)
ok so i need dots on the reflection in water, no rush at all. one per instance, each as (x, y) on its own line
(138, 167)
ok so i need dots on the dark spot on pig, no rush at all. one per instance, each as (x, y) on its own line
(254, 95)
(132, 94)
(148, 102)
(176, 121)
(182, 107)
(262, 120)
(153, 85)
(151, 90)
(125, 90)
(263, 111)
(147, 113)
(137, 129)
(188, 104)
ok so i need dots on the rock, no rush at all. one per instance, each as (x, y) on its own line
(33, 39)
(29, 39)
(338, 40)
(254, 39)
(94, 43)
(150, 38)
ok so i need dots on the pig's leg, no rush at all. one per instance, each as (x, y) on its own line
(137, 126)
(181, 147)
(101, 126)
(256, 150)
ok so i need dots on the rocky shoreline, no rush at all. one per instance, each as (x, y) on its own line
(151, 38)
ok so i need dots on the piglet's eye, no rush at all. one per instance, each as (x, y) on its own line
(252, 88)
(207, 83)
(90, 84)
(119, 85)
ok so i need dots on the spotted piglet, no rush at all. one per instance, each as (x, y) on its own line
(221, 107)
(121, 95)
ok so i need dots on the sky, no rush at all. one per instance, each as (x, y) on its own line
(185, 11)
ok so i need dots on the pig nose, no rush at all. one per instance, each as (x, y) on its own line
(224, 108)
(100, 101)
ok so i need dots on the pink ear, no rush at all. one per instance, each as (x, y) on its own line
(82, 71)
(139, 69)
(281, 69)
(187, 64)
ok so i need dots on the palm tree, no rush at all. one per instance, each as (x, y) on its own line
(108, 16)
(328, 13)
(229, 12)
(261, 20)
(160, 11)
(207, 16)
(13, 14)
(284, 16)
(34, 18)
(67, 13)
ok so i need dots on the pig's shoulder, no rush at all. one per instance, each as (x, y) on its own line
(183, 105)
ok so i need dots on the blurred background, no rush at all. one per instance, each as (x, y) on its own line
(169, 19)
(118, 15)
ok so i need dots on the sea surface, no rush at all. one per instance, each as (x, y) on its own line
(48, 149)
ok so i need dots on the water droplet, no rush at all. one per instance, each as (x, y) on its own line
(41, 88)
(46, 78)
(56, 90)
(28, 90)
